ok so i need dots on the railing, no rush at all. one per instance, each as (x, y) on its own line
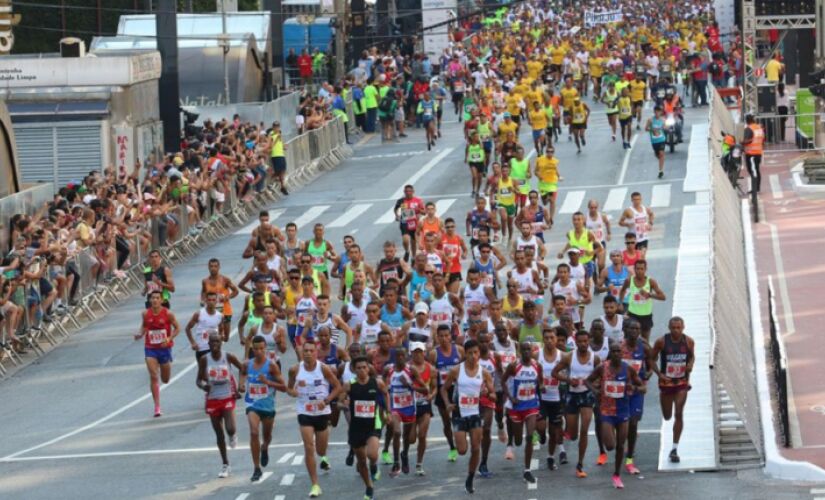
(780, 367)
(790, 132)
(282, 109)
(97, 283)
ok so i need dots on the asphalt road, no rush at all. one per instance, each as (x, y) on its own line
(77, 423)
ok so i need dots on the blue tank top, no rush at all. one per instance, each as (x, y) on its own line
(259, 396)
(342, 265)
(331, 359)
(478, 220)
(657, 130)
(539, 219)
(488, 270)
(443, 363)
(524, 387)
(637, 359)
(617, 280)
(415, 282)
(394, 320)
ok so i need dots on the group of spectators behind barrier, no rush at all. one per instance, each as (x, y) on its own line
(93, 283)
(732, 352)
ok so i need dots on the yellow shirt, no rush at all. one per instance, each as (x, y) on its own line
(521, 88)
(637, 90)
(772, 70)
(511, 101)
(579, 114)
(596, 69)
(557, 55)
(505, 128)
(538, 119)
(508, 65)
(568, 95)
(533, 96)
(547, 169)
(534, 69)
(625, 109)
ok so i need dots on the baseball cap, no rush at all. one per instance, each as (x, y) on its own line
(574, 251)
(507, 114)
(421, 307)
(416, 346)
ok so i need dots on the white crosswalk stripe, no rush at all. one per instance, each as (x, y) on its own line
(350, 215)
(615, 199)
(389, 216)
(273, 216)
(660, 196)
(572, 202)
(310, 215)
(441, 206)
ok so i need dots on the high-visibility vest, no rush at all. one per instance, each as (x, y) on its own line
(755, 146)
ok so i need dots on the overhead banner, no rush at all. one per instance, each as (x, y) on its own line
(433, 13)
(592, 18)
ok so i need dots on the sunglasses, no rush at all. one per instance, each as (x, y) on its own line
(629, 242)
(429, 272)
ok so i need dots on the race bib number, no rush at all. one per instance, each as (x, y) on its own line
(272, 355)
(526, 392)
(676, 369)
(507, 359)
(636, 364)
(486, 279)
(442, 376)
(364, 409)
(388, 275)
(550, 382)
(440, 317)
(313, 407)
(257, 391)
(317, 260)
(428, 112)
(158, 336)
(204, 336)
(641, 227)
(468, 401)
(219, 374)
(402, 399)
(614, 389)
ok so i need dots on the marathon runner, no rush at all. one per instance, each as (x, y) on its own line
(216, 380)
(521, 385)
(408, 210)
(550, 417)
(225, 290)
(491, 362)
(673, 358)
(638, 219)
(658, 140)
(262, 377)
(405, 385)
(159, 327)
(423, 401)
(205, 321)
(157, 277)
(444, 357)
(637, 354)
(641, 291)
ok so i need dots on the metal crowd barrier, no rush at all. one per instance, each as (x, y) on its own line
(780, 367)
(100, 286)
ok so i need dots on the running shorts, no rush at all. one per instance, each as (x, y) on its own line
(548, 187)
(578, 126)
(614, 420)
(578, 400)
(646, 321)
(519, 416)
(358, 438)
(658, 147)
(162, 354)
(551, 410)
(200, 354)
(423, 409)
(625, 122)
(439, 402)
(637, 405)
(479, 167)
(405, 419)
(466, 424)
(317, 422)
(263, 414)
(537, 134)
(278, 164)
(215, 407)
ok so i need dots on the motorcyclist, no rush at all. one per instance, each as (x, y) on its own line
(672, 104)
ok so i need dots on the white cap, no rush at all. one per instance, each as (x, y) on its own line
(422, 307)
(574, 250)
(415, 346)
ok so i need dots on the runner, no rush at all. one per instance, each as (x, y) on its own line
(320, 251)
(475, 157)
(521, 384)
(455, 250)
(521, 173)
(673, 357)
(225, 290)
(642, 290)
(546, 171)
(364, 394)
(625, 117)
(470, 381)
(477, 219)
(551, 409)
(636, 353)
(391, 267)
(407, 211)
(315, 386)
(444, 357)
(638, 90)
(574, 369)
(262, 377)
(583, 239)
(580, 113)
(612, 321)
(159, 327)
(427, 109)
(600, 347)
(598, 223)
(205, 321)
(612, 278)
(505, 198)
(423, 403)
(491, 362)
(658, 140)
(574, 292)
(321, 318)
(638, 219)
(529, 284)
(216, 380)
(404, 385)
(618, 381)
(476, 296)
(538, 122)
(157, 277)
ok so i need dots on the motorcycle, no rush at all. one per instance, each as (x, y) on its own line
(731, 158)
(671, 135)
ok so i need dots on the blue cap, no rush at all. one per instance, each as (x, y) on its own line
(507, 114)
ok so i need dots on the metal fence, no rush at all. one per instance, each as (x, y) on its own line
(732, 350)
(283, 109)
(780, 367)
(27, 201)
(96, 279)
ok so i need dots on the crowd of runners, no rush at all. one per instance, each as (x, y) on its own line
(465, 319)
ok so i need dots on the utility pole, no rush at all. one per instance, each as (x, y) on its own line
(168, 92)
(340, 37)
(225, 45)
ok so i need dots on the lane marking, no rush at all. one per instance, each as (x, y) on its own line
(351, 214)
(626, 160)
(534, 464)
(297, 460)
(660, 196)
(286, 458)
(441, 206)
(310, 215)
(242, 496)
(287, 479)
(817, 491)
(111, 415)
(615, 199)
(572, 202)
(280, 497)
(273, 215)
(787, 311)
(265, 476)
(389, 215)
(533, 486)
(422, 172)
(776, 187)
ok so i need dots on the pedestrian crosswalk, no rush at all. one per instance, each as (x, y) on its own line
(380, 212)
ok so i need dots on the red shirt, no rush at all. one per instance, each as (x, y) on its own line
(158, 329)
(304, 65)
(409, 210)
(451, 246)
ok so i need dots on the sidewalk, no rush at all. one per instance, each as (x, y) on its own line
(789, 243)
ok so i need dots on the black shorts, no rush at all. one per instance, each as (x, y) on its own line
(200, 354)
(516, 119)
(658, 147)
(578, 126)
(438, 401)
(407, 231)
(423, 409)
(641, 245)
(317, 422)
(479, 167)
(637, 104)
(555, 68)
(625, 122)
(386, 120)
(551, 410)
(575, 401)
(358, 438)
(466, 424)
(453, 277)
(645, 322)
(458, 96)
(278, 164)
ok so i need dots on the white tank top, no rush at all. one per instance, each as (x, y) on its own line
(640, 222)
(207, 323)
(420, 333)
(596, 226)
(357, 314)
(441, 311)
(603, 350)
(468, 391)
(580, 371)
(312, 388)
(369, 334)
(434, 260)
(348, 375)
(274, 264)
(219, 377)
(568, 290)
(550, 391)
(507, 354)
(577, 273)
(614, 332)
(271, 344)
(521, 243)
(525, 281)
(489, 365)
(474, 298)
